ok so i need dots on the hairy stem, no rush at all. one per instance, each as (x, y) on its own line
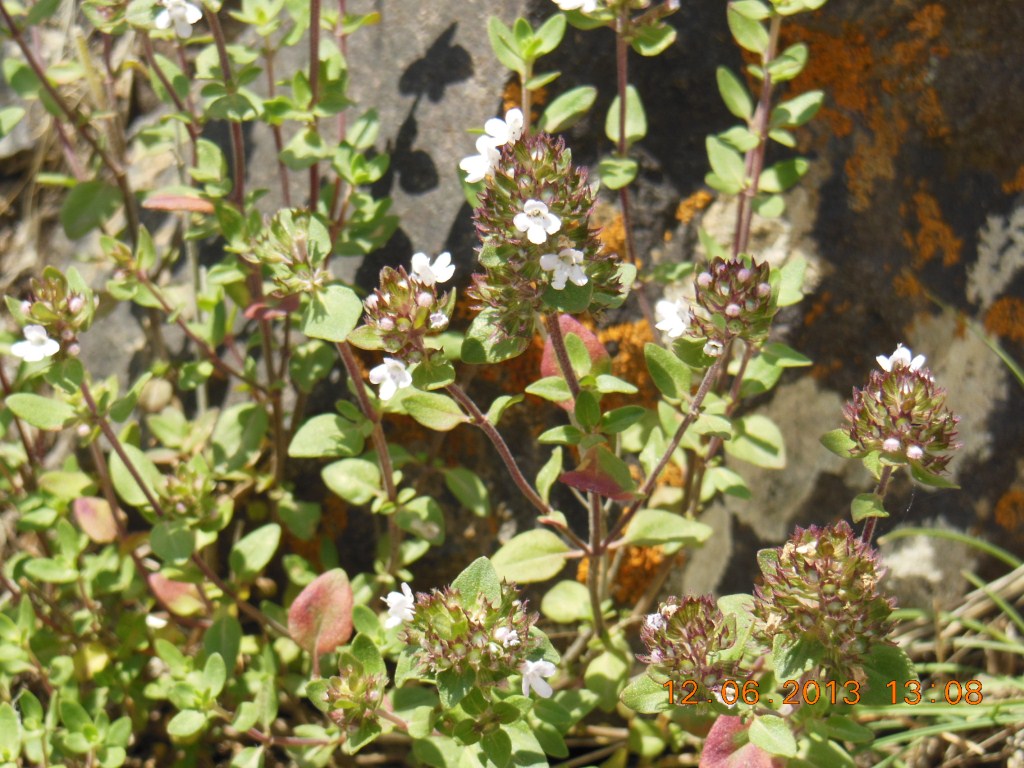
(554, 329)
(883, 485)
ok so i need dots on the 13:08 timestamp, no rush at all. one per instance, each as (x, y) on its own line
(953, 692)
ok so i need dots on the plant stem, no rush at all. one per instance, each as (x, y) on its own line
(282, 169)
(81, 122)
(479, 419)
(883, 485)
(595, 558)
(554, 329)
(755, 157)
(237, 142)
(652, 478)
(314, 89)
(28, 469)
(622, 80)
(380, 445)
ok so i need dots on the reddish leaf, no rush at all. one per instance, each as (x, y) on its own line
(599, 357)
(593, 479)
(320, 619)
(727, 747)
(180, 597)
(174, 203)
(95, 518)
(272, 310)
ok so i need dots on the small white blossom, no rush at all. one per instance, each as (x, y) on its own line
(534, 673)
(507, 636)
(392, 376)
(36, 346)
(181, 14)
(428, 272)
(401, 606)
(587, 6)
(565, 265)
(673, 318)
(713, 348)
(901, 357)
(438, 321)
(155, 622)
(482, 164)
(655, 621)
(507, 131)
(891, 444)
(537, 222)
(915, 452)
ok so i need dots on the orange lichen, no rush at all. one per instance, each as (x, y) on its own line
(638, 568)
(876, 97)
(512, 97)
(613, 235)
(1016, 184)
(693, 205)
(1005, 318)
(1009, 511)
(628, 363)
(934, 236)
(907, 285)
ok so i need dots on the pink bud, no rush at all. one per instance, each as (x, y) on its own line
(733, 310)
(704, 279)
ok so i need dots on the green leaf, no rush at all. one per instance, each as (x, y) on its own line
(362, 134)
(646, 695)
(423, 517)
(551, 388)
(845, 729)
(670, 375)
(652, 39)
(186, 724)
(87, 206)
(326, 435)
(252, 552)
(621, 419)
(530, 557)
(172, 541)
(758, 441)
(485, 343)
(9, 119)
(867, 505)
(882, 664)
(636, 119)
(215, 674)
(549, 35)
(792, 283)
(771, 734)
(10, 733)
(41, 412)
(504, 45)
(783, 175)
(549, 474)
(565, 434)
(565, 111)
(734, 94)
(237, 440)
(74, 716)
(249, 757)
(224, 639)
(655, 526)
(751, 9)
(606, 676)
(739, 138)
(355, 480)
(749, 33)
(923, 476)
(727, 165)
(478, 578)
(798, 110)
(839, 442)
(332, 314)
(469, 489)
(51, 570)
(434, 411)
(452, 687)
(617, 172)
(571, 299)
(125, 484)
(567, 602)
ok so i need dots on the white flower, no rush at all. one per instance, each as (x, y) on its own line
(505, 131)
(565, 265)
(392, 376)
(428, 272)
(891, 444)
(534, 673)
(181, 14)
(587, 6)
(655, 621)
(155, 622)
(401, 606)
(37, 345)
(915, 452)
(507, 636)
(713, 348)
(481, 164)
(536, 222)
(901, 358)
(438, 321)
(673, 318)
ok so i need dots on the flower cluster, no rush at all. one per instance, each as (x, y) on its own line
(354, 695)
(685, 640)
(497, 133)
(61, 306)
(292, 250)
(737, 301)
(822, 586)
(533, 223)
(469, 634)
(902, 414)
(403, 311)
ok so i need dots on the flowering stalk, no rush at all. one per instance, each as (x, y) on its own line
(314, 90)
(883, 485)
(554, 329)
(237, 142)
